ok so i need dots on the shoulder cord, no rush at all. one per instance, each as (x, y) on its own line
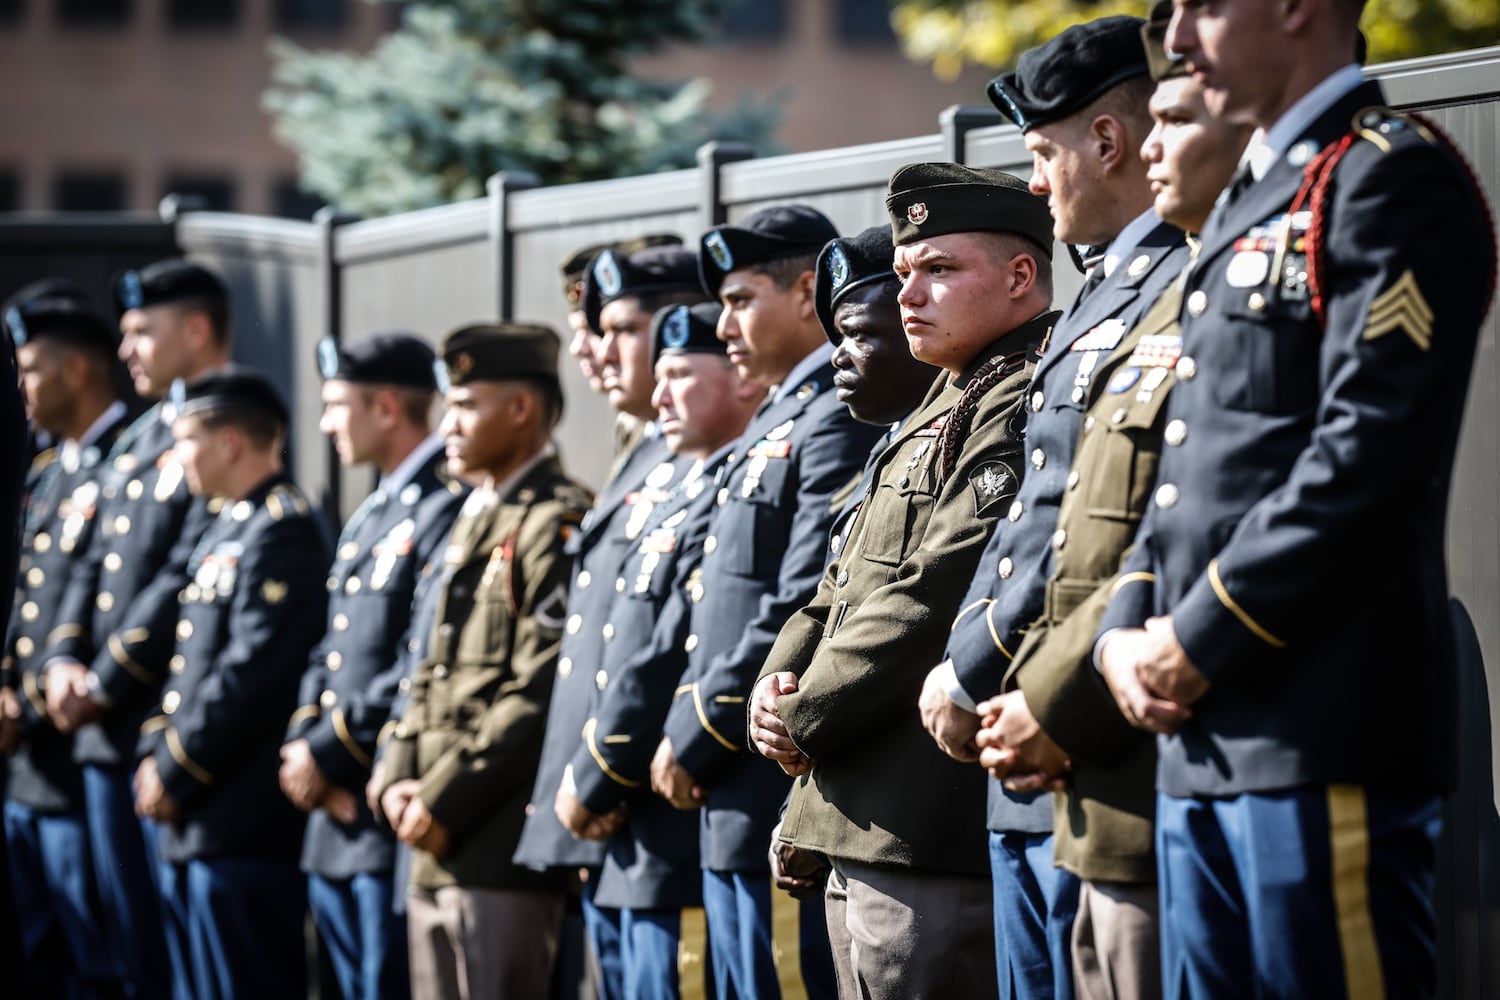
(956, 428)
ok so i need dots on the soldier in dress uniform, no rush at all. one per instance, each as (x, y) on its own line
(1329, 324)
(908, 901)
(575, 268)
(651, 870)
(621, 293)
(65, 350)
(788, 477)
(1081, 103)
(377, 401)
(229, 839)
(108, 654)
(16, 435)
(459, 765)
(1104, 818)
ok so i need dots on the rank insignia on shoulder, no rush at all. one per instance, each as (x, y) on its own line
(274, 591)
(993, 483)
(1401, 307)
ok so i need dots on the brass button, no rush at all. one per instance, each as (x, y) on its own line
(328, 699)
(24, 646)
(1167, 496)
(1176, 433)
(601, 680)
(184, 630)
(440, 671)
(574, 624)
(30, 611)
(565, 667)
(1073, 480)
(405, 686)
(171, 701)
(351, 585)
(608, 632)
(348, 551)
(105, 601)
(42, 542)
(710, 544)
(122, 525)
(333, 584)
(1088, 424)
(620, 585)
(1256, 302)
(35, 577)
(134, 489)
(1006, 568)
(723, 496)
(1038, 458)
(584, 579)
(1059, 537)
(113, 562)
(190, 592)
(241, 511)
(340, 622)
(1186, 368)
(1016, 510)
(691, 644)
(445, 631)
(843, 577)
(178, 663)
(335, 660)
(1037, 399)
(1077, 394)
(1118, 417)
(1197, 302)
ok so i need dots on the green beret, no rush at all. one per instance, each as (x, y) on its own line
(1071, 71)
(499, 351)
(687, 330)
(849, 263)
(935, 199)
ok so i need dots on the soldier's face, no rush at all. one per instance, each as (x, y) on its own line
(877, 377)
(757, 320)
(348, 419)
(156, 346)
(44, 381)
(701, 402)
(1189, 154)
(205, 454)
(957, 296)
(623, 356)
(1065, 173)
(478, 427)
(1237, 54)
(581, 347)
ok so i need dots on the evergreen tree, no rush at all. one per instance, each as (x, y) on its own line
(466, 88)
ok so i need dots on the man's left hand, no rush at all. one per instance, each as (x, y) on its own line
(578, 819)
(301, 779)
(1168, 671)
(950, 725)
(1015, 749)
(421, 829)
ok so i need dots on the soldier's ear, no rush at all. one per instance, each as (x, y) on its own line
(806, 291)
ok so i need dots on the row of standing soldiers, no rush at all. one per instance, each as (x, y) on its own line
(879, 515)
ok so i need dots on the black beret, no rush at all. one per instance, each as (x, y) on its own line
(1069, 72)
(392, 357)
(687, 330)
(766, 234)
(234, 388)
(1162, 64)
(851, 262)
(499, 351)
(575, 264)
(935, 199)
(58, 308)
(615, 275)
(171, 280)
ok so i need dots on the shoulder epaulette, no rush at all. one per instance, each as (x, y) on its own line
(284, 498)
(1378, 125)
(43, 459)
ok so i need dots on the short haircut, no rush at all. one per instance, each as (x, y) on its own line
(548, 392)
(415, 404)
(1005, 246)
(784, 271)
(216, 311)
(1129, 103)
(261, 427)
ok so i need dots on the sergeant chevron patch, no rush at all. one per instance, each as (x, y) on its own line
(993, 483)
(1401, 307)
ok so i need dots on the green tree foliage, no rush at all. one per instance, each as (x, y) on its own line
(466, 88)
(953, 33)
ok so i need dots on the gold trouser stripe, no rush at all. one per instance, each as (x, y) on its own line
(703, 718)
(188, 764)
(1239, 612)
(123, 658)
(611, 773)
(990, 622)
(1127, 579)
(303, 714)
(341, 727)
(786, 944)
(1349, 828)
(692, 954)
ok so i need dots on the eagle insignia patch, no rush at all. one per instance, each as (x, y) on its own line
(994, 483)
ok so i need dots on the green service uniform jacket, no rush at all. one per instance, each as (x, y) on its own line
(472, 729)
(880, 791)
(1104, 822)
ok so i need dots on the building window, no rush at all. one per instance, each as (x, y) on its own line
(88, 191)
(10, 191)
(316, 14)
(755, 20)
(865, 22)
(203, 192)
(94, 13)
(291, 202)
(203, 15)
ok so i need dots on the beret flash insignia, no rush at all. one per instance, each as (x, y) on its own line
(17, 326)
(132, 295)
(675, 330)
(718, 249)
(838, 267)
(328, 357)
(607, 274)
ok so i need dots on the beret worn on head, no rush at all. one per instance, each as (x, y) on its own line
(391, 357)
(849, 263)
(575, 264)
(171, 280)
(58, 308)
(1163, 65)
(772, 233)
(500, 351)
(232, 388)
(935, 199)
(614, 275)
(1070, 72)
(687, 330)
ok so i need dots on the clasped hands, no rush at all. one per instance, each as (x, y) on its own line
(1153, 680)
(767, 730)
